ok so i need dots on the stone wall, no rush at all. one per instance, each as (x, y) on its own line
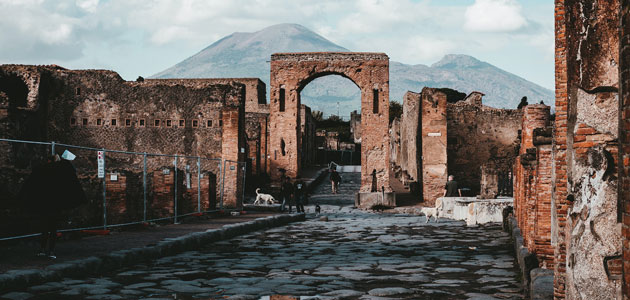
(434, 145)
(586, 152)
(480, 135)
(411, 137)
(532, 183)
(624, 139)
(307, 131)
(95, 108)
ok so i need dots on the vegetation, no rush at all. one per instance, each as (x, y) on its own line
(395, 110)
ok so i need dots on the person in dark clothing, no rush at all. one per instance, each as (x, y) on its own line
(49, 190)
(299, 195)
(287, 194)
(334, 180)
(451, 189)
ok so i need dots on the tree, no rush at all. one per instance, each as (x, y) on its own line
(317, 115)
(395, 110)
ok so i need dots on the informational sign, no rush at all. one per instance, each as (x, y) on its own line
(242, 150)
(435, 134)
(232, 168)
(187, 180)
(101, 164)
(113, 177)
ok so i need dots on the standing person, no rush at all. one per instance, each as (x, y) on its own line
(334, 180)
(451, 189)
(299, 195)
(287, 193)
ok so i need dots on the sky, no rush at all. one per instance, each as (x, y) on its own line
(143, 37)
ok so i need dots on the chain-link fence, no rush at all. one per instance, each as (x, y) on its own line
(122, 188)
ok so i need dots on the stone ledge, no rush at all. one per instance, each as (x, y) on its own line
(537, 282)
(474, 211)
(18, 279)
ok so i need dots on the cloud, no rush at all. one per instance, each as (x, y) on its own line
(494, 16)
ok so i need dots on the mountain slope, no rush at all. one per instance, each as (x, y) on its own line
(247, 55)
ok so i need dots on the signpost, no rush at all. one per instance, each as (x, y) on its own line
(101, 164)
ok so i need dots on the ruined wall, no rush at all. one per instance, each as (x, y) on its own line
(98, 109)
(307, 131)
(624, 140)
(532, 183)
(590, 240)
(434, 145)
(480, 135)
(411, 136)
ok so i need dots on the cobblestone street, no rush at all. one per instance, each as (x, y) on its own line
(352, 255)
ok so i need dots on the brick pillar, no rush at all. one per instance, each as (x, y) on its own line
(534, 116)
(434, 157)
(559, 202)
(624, 140)
(233, 140)
(542, 234)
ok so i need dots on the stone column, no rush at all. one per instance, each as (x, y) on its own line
(233, 142)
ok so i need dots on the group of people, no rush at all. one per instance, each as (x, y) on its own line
(293, 193)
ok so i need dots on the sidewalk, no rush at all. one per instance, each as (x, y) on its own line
(20, 266)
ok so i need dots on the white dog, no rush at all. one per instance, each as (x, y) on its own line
(432, 211)
(263, 199)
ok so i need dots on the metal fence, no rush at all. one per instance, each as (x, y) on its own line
(122, 187)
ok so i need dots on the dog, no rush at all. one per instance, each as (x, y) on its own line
(432, 211)
(263, 199)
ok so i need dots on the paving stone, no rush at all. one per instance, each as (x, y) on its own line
(17, 296)
(389, 291)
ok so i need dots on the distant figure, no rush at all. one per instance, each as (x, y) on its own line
(140, 79)
(523, 103)
(374, 187)
(334, 180)
(451, 189)
(318, 209)
(299, 195)
(287, 193)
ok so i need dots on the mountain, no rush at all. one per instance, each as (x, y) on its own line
(244, 54)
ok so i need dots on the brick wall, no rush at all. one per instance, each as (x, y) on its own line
(624, 140)
(434, 137)
(588, 236)
(480, 135)
(96, 108)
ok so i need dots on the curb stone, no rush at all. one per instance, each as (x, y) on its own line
(19, 279)
(537, 282)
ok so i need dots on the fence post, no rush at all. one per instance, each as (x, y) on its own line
(52, 148)
(104, 190)
(175, 183)
(222, 182)
(144, 186)
(198, 184)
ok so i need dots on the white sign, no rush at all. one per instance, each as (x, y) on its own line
(242, 150)
(435, 134)
(113, 177)
(101, 164)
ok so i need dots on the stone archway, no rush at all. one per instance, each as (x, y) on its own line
(291, 72)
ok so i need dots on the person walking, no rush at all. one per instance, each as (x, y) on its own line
(299, 195)
(334, 180)
(287, 193)
(451, 189)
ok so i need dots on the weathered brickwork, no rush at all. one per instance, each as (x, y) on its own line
(588, 234)
(98, 109)
(624, 139)
(307, 132)
(480, 135)
(532, 181)
(434, 139)
(291, 72)
(559, 176)
(411, 137)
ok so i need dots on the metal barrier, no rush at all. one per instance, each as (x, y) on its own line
(125, 188)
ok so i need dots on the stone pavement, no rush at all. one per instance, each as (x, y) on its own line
(349, 254)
